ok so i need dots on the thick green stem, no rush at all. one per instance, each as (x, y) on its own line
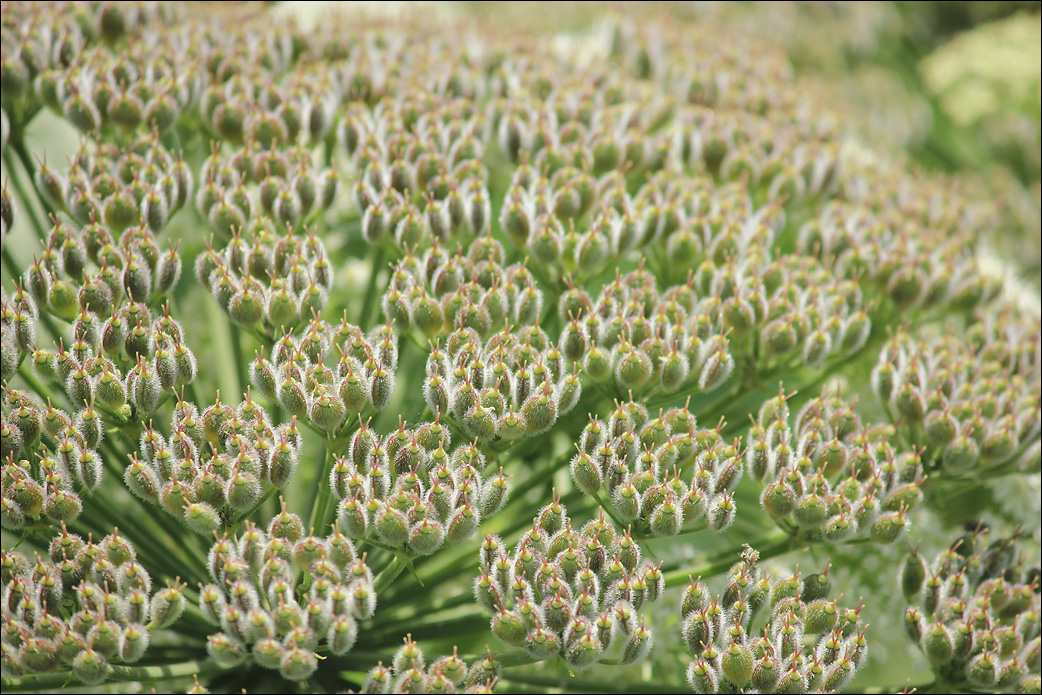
(23, 197)
(119, 674)
(365, 311)
(319, 508)
(242, 371)
(390, 573)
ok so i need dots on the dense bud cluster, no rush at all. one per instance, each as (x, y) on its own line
(441, 291)
(664, 474)
(215, 464)
(406, 491)
(809, 643)
(269, 283)
(569, 593)
(829, 477)
(259, 188)
(972, 402)
(88, 606)
(119, 194)
(361, 378)
(513, 385)
(420, 176)
(974, 613)
(266, 615)
(121, 353)
(49, 461)
(410, 673)
(62, 63)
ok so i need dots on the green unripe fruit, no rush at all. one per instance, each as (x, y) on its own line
(62, 506)
(202, 518)
(940, 427)
(889, 527)
(381, 387)
(540, 413)
(246, 308)
(91, 667)
(167, 606)
(597, 364)
(633, 368)
(961, 454)
(982, 670)
(426, 315)
(28, 495)
(666, 518)
(626, 500)
(702, 677)
(586, 474)
(426, 537)
(810, 512)
(820, 616)
(721, 512)
(327, 412)
(542, 644)
(937, 644)
(913, 573)
(765, 674)
(509, 628)
(716, 370)
(342, 635)
(697, 630)
(391, 525)
(353, 518)
(62, 298)
(736, 664)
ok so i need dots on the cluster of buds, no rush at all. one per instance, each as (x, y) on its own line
(65, 465)
(271, 283)
(50, 460)
(266, 615)
(827, 477)
(126, 193)
(974, 402)
(257, 189)
(89, 606)
(637, 462)
(898, 267)
(573, 594)
(296, 377)
(440, 292)
(974, 613)
(809, 643)
(50, 58)
(406, 491)
(103, 288)
(123, 365)
(513, 385)
(256, 108)
(410, 673)
(901, 235)
(687, 338)
(215, 464)
(421, 180)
